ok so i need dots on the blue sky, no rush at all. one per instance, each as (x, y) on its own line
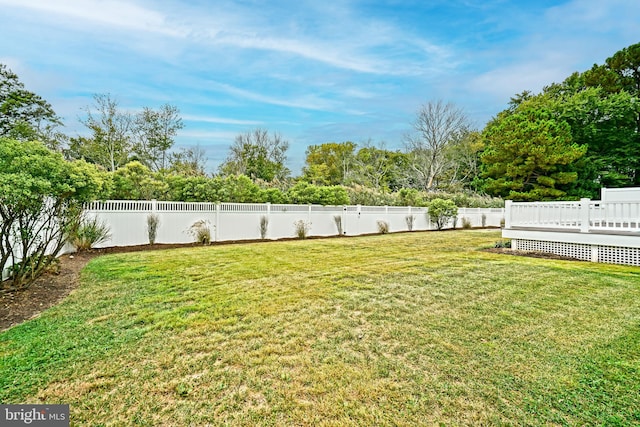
(314, 71)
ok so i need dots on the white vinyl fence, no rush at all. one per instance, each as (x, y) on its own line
(127, 220)
(241, 221)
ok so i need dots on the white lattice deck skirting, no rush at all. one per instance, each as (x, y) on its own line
(585, 252)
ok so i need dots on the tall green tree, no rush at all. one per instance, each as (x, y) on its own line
(527, 153)
(154, 132)
(110, 144)
(257, 155)
(188, 161)
(329, 163)
(379, 168)
(24, 115)
(610, 96)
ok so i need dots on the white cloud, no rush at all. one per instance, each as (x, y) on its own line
(220, 120)
(310, 102)
(226, 136)
(116, 13)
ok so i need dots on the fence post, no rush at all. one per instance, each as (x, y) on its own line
(154, 206)
(508, 205)
(584, 215)
(217, 224)
(344, 219)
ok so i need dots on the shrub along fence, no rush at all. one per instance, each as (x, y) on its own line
(128, 220)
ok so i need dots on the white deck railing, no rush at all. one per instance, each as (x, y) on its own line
(584, 216)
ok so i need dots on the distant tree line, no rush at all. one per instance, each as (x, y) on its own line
(563, 143)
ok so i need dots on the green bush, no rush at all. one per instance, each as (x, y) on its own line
(90, 232)
(441, 211)
(305, 193)
(41, 197)
(503, 244)
(359, 195)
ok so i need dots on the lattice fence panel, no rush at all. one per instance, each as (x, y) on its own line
(572, 250)
(619, 255)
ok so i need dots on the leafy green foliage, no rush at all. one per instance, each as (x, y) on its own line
(379, 169)
(24, 115)
(135, 181)
(305, 193)
(258, 156)
(154, 132)
(41, 197)
(527, 151)
(501, 244)
(600, 109)
(329, 163)
(111, 142)
(441, 211)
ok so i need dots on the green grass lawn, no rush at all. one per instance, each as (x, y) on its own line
(407, 329)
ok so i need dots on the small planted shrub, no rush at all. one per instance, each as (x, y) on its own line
(302, 229)
(201, 231)
(383, 227)
(153, 221)
(441, 211)
(502, 244)
(466, 223)
(410, 220)
(89, 232)
(484, 220)
(264, 226)
(502, 222)
(338, 220)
